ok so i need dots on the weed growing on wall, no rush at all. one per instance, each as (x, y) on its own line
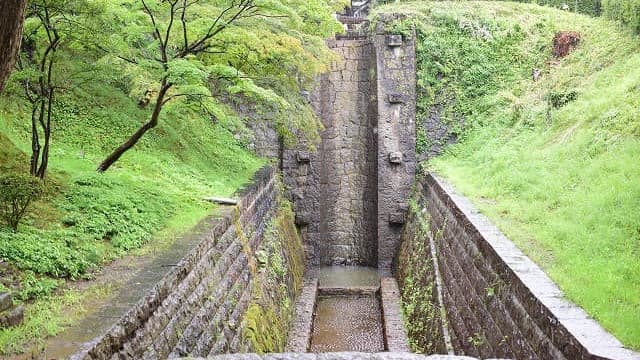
(416, 276)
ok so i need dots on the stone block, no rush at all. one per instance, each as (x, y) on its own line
(393, 40)
(395, 98)
(5, 301)
(397, 218)
(303, 156)
(303, 218)
(395, 157)
(12, 318)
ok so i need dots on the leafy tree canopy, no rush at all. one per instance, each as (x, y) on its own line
(217, 53)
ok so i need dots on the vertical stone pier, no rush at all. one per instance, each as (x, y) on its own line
(396, 141)
(350, 196)
(334, 189)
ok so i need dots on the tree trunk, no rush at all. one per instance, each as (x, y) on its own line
(11, 20)
(153, 122)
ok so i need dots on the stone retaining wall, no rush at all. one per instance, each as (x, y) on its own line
(498, 302)
(396, 135)
(200, 307)
(350, 195)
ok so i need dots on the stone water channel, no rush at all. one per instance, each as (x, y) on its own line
(348, 308)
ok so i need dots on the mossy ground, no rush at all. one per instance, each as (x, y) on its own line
(562, 182)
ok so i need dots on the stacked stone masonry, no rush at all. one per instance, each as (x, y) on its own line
(334, 188)
(340, 356)
(198, 307)
(350, 195)
(497, 301)
(395, 336)
(396, 139)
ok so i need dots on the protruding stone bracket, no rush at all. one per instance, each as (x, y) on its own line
(303, 157)
(394, 40)
(395, 157)
(398, 215)
(395, 98)
(396, 218)
(302, 219)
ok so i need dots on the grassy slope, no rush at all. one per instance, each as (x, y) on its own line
(563, 183)
(88, 219)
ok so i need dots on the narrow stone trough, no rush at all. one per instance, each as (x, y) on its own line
(348, 308)
(348, 314)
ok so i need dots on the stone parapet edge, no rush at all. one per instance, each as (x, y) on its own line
(300, 332)
(395, 336)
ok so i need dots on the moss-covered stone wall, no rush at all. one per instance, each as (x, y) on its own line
(234, 292)
(278, 279)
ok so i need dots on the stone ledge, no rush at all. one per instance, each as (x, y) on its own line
(337, 356)
(395, 335)
(302, 327)
(346, 291)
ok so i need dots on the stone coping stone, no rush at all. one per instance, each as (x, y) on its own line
(302, 327)
(395, 335)
(338, 356)
(599, 343)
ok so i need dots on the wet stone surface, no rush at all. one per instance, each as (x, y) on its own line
(348, 323)
(348, 276)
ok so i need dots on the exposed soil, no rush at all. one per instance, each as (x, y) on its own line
(564, 42)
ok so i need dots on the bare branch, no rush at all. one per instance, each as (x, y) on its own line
(172, 15)
(183, 19)
(156, 31)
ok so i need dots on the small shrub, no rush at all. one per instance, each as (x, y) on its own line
(558, 99)
(33, 287)
(17, 192)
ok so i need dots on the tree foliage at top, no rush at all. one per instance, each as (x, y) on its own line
(204, 54)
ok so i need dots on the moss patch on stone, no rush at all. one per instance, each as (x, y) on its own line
(277, 282)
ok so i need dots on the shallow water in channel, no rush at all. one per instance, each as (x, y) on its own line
(346, 276)
(348, 323)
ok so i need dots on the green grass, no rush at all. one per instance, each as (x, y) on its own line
(563, 183)
(46, 317)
